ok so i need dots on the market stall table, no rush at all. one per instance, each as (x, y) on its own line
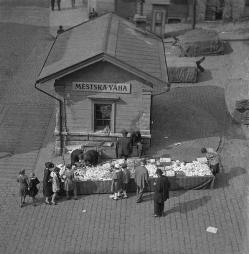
(185, 176)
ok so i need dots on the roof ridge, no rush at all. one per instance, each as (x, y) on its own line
(86, 21)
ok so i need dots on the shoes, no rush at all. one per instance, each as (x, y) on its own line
(34, 204)
(21, 205)
(47, 203)
(115, 198)
(125, 196)
(75, 198)
(139, 201)
(53, 203)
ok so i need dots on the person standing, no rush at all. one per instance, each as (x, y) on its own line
(59, 4)
(73, 3)
(126, 178)
(136, 140)
(141, 180)
(52, 4)
(55, 185)
(123, 146)
(161, 193)
(69, 182)
(33, 190)
(213, 159)
(22, 179)
(117, 178)
(47, 182)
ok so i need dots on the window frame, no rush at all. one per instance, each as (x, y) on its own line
(113, 113)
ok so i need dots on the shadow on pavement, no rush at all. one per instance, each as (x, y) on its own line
(187, 206)
(222, 179)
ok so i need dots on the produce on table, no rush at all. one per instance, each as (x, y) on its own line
(103, 172)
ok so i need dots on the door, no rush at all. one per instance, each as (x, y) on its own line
(158, 22)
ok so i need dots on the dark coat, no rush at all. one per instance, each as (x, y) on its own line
(33, 190)
(76, 155)
(123, 147)
(162, 186)
(47, 183)
(91, 157)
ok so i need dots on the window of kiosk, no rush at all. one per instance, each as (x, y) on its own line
(102, 116)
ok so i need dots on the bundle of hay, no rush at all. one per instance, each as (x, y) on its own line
(200, 42)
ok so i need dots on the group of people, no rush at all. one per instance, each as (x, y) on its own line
(59, 4)
(54, 183)
(121, 178)
(28, 186)
(125, 144)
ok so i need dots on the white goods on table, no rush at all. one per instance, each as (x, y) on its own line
(103, 172)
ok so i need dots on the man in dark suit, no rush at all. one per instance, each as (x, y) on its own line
(161, 193)
(123, 146)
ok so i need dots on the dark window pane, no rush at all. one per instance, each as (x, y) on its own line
(102, 116)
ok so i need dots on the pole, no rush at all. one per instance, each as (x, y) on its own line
(194, 15)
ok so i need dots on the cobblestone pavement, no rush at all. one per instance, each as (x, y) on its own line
(95, 223)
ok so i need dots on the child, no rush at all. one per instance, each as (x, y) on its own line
(23, 189)
(117, 181)
(33, 190)
(126, 179)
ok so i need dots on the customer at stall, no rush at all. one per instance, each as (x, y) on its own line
(69, 181)
(55, 185)
(141, 180)
(126, 178)
(47, 182)
(213, 159)
(161, 193)
(22, 179)
(33, 190)
(123, 148)
(116, 186)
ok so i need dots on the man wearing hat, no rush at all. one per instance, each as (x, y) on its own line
(123, 148)
(141, 180)
(161, 193)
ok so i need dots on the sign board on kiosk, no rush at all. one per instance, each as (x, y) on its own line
(102, 87)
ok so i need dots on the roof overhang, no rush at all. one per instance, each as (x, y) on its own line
(149, 80)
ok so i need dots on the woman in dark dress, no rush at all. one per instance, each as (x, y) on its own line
(47, 182)
(22, 179)
(33, 190)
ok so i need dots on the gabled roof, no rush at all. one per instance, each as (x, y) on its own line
(110, 38)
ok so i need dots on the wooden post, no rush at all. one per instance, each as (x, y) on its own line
(194, 15)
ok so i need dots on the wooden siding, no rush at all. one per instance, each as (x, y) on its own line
(130, 109)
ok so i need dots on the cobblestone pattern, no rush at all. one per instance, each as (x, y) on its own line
(116, 227)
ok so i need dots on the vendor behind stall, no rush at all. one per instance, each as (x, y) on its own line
(213, 159)
(123, 148)
(136, 140)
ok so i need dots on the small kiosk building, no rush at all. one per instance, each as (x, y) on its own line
(104, 72)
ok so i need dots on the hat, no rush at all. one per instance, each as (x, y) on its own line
(159, 171)
(32, 174)
(123, 165)
(49, 165)
(22, 172)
